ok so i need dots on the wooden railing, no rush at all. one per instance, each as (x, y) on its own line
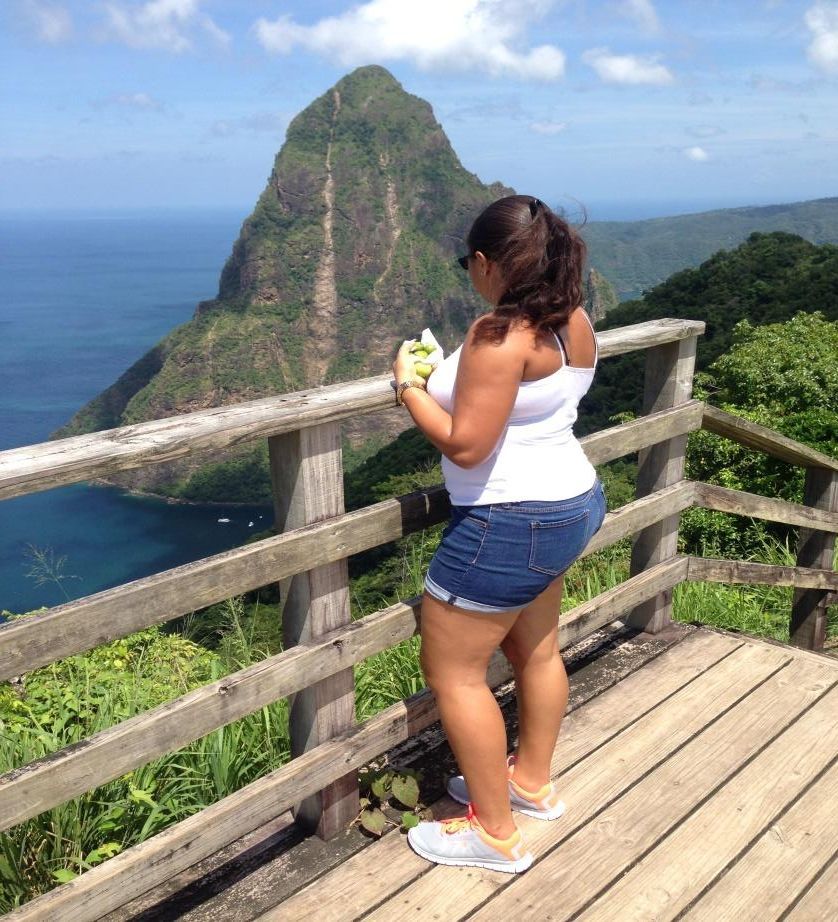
(308, 559)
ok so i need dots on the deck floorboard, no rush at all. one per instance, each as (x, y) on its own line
(700, 785)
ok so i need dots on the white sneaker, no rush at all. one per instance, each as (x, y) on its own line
(462, 841)
(542, 805)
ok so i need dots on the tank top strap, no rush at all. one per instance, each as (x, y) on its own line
(565, 359)
(561, 348)
(593, 331)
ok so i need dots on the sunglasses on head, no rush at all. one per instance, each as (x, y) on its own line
(463, 261)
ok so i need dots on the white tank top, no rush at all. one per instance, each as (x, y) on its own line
(537, 456)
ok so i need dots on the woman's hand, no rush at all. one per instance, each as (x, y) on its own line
(404, 365)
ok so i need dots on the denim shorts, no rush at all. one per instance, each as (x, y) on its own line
(499, 557)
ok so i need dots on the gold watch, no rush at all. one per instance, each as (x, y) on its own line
(401, 388)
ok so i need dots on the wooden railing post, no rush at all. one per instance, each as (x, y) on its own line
(668, 382)
(307, 479)
(807, 628)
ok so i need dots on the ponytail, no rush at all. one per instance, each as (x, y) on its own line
(541, 259)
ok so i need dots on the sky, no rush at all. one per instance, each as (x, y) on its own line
(630, 108)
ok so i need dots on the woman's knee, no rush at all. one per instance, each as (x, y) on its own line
(522, 654)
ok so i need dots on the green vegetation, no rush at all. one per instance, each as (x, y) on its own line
(766, 280)
(635, 256)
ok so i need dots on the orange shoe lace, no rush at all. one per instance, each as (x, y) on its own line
(457, 823)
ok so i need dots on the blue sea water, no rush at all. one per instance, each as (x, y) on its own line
(82, 297)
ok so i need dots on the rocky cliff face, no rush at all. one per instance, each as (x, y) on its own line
(349, 250)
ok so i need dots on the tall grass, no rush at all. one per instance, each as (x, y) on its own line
(761, 610)
(71, 700)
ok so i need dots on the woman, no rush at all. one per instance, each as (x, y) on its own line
(525, 501)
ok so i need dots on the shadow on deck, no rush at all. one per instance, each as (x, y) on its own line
(700, 770)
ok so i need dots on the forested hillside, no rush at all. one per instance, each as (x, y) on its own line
(767, 279)
(637, 255)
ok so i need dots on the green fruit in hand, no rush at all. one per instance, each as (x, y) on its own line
(423, 369)
(421, 353)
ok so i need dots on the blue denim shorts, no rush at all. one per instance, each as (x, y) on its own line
(499, 557)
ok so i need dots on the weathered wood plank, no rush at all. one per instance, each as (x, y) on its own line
(80, 625)
(307, 480)
(607, 606)
(820, 902)
(598, 852)
(47, 782)
(647, 335)
(807, 627)
(643, 432)
(723, 499)
(85, 623)
(774, 871)
(673, 874)
(739, 571)
(761, 438)
(63, 461)
(351, 890)
(668, 383)
(587, 786)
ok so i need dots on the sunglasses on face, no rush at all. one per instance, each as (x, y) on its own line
(463, 261)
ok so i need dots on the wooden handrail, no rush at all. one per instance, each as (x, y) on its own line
(744, 571)
(97, 454)
(723, 499)
(111, 753)
(104, 616)
(80, 625)
(761, 438)
(143, 866)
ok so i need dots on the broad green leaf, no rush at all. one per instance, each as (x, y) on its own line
(373, 820)
(64, 876)
(409, 820)
(406, 790)
(381, 786)
(108, 850)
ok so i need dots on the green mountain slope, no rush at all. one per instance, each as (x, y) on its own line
(637, 255)
(349, 250)
(767, 279)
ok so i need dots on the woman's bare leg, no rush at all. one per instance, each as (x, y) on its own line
(532, 647)
(456, 648)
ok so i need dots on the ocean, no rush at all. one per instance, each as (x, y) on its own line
(82, 297)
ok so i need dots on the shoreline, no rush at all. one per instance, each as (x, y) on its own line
(172, 500)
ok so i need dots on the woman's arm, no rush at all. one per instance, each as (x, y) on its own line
(487, 383)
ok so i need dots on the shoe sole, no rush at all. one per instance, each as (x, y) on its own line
(535, 813)
(507, 867)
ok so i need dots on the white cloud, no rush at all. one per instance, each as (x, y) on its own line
(270, 122)
(822, 21)
(475, 35)
(163, 24)
(53, 23)
(642, 12)
(548, 128)
(705, 131)
(133, 101)
(627, 68)
(699, 154)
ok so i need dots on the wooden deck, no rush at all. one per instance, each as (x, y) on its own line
(703, 785)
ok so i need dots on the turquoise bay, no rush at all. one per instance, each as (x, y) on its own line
(83, 296)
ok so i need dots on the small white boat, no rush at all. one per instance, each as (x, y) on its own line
(222, 520)
(250, 524)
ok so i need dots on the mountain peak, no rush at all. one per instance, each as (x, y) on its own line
(349, 250)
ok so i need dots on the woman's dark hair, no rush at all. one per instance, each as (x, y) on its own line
(541, 258)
